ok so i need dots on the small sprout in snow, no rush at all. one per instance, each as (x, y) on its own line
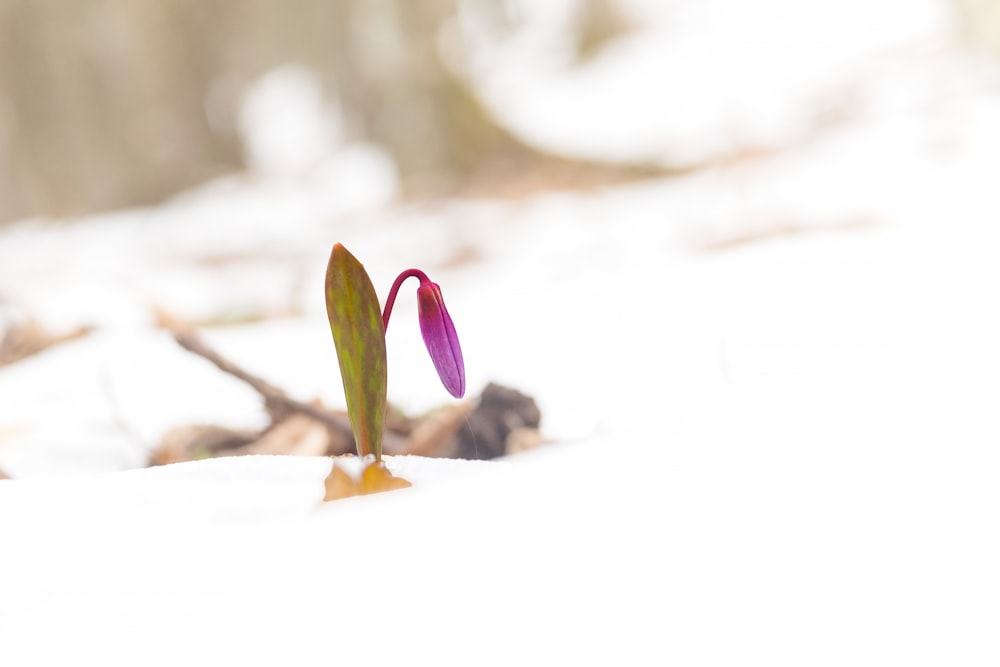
(359, 335)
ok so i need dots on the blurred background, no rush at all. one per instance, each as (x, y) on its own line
(754, 180)
(107, 104)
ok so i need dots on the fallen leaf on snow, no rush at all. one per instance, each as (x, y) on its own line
(375, 478)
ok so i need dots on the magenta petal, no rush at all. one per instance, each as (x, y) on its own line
(440, 338)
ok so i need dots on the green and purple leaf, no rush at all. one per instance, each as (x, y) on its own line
(358, 333)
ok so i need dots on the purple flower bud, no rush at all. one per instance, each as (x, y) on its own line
(440, 338)
(437, 329)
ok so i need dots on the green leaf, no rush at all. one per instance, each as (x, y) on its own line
(356, 323)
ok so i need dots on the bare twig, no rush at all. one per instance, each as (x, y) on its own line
(727, 241)
(278, 404)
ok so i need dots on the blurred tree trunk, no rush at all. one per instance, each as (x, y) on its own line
(434, 127)
(380, 58)
(102, 104)
(110, 103)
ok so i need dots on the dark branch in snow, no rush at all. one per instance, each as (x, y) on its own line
(278, 404)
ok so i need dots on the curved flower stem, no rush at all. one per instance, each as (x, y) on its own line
(391, 299)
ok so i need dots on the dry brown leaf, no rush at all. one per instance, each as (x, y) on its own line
(375, 478)
(198, 441)
(436, 434)
(23, 339)
(523, 439)
(339, 484)
(298, 435)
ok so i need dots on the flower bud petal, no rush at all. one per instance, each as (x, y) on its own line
(440, 338)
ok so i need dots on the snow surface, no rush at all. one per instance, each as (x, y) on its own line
(780, 452)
